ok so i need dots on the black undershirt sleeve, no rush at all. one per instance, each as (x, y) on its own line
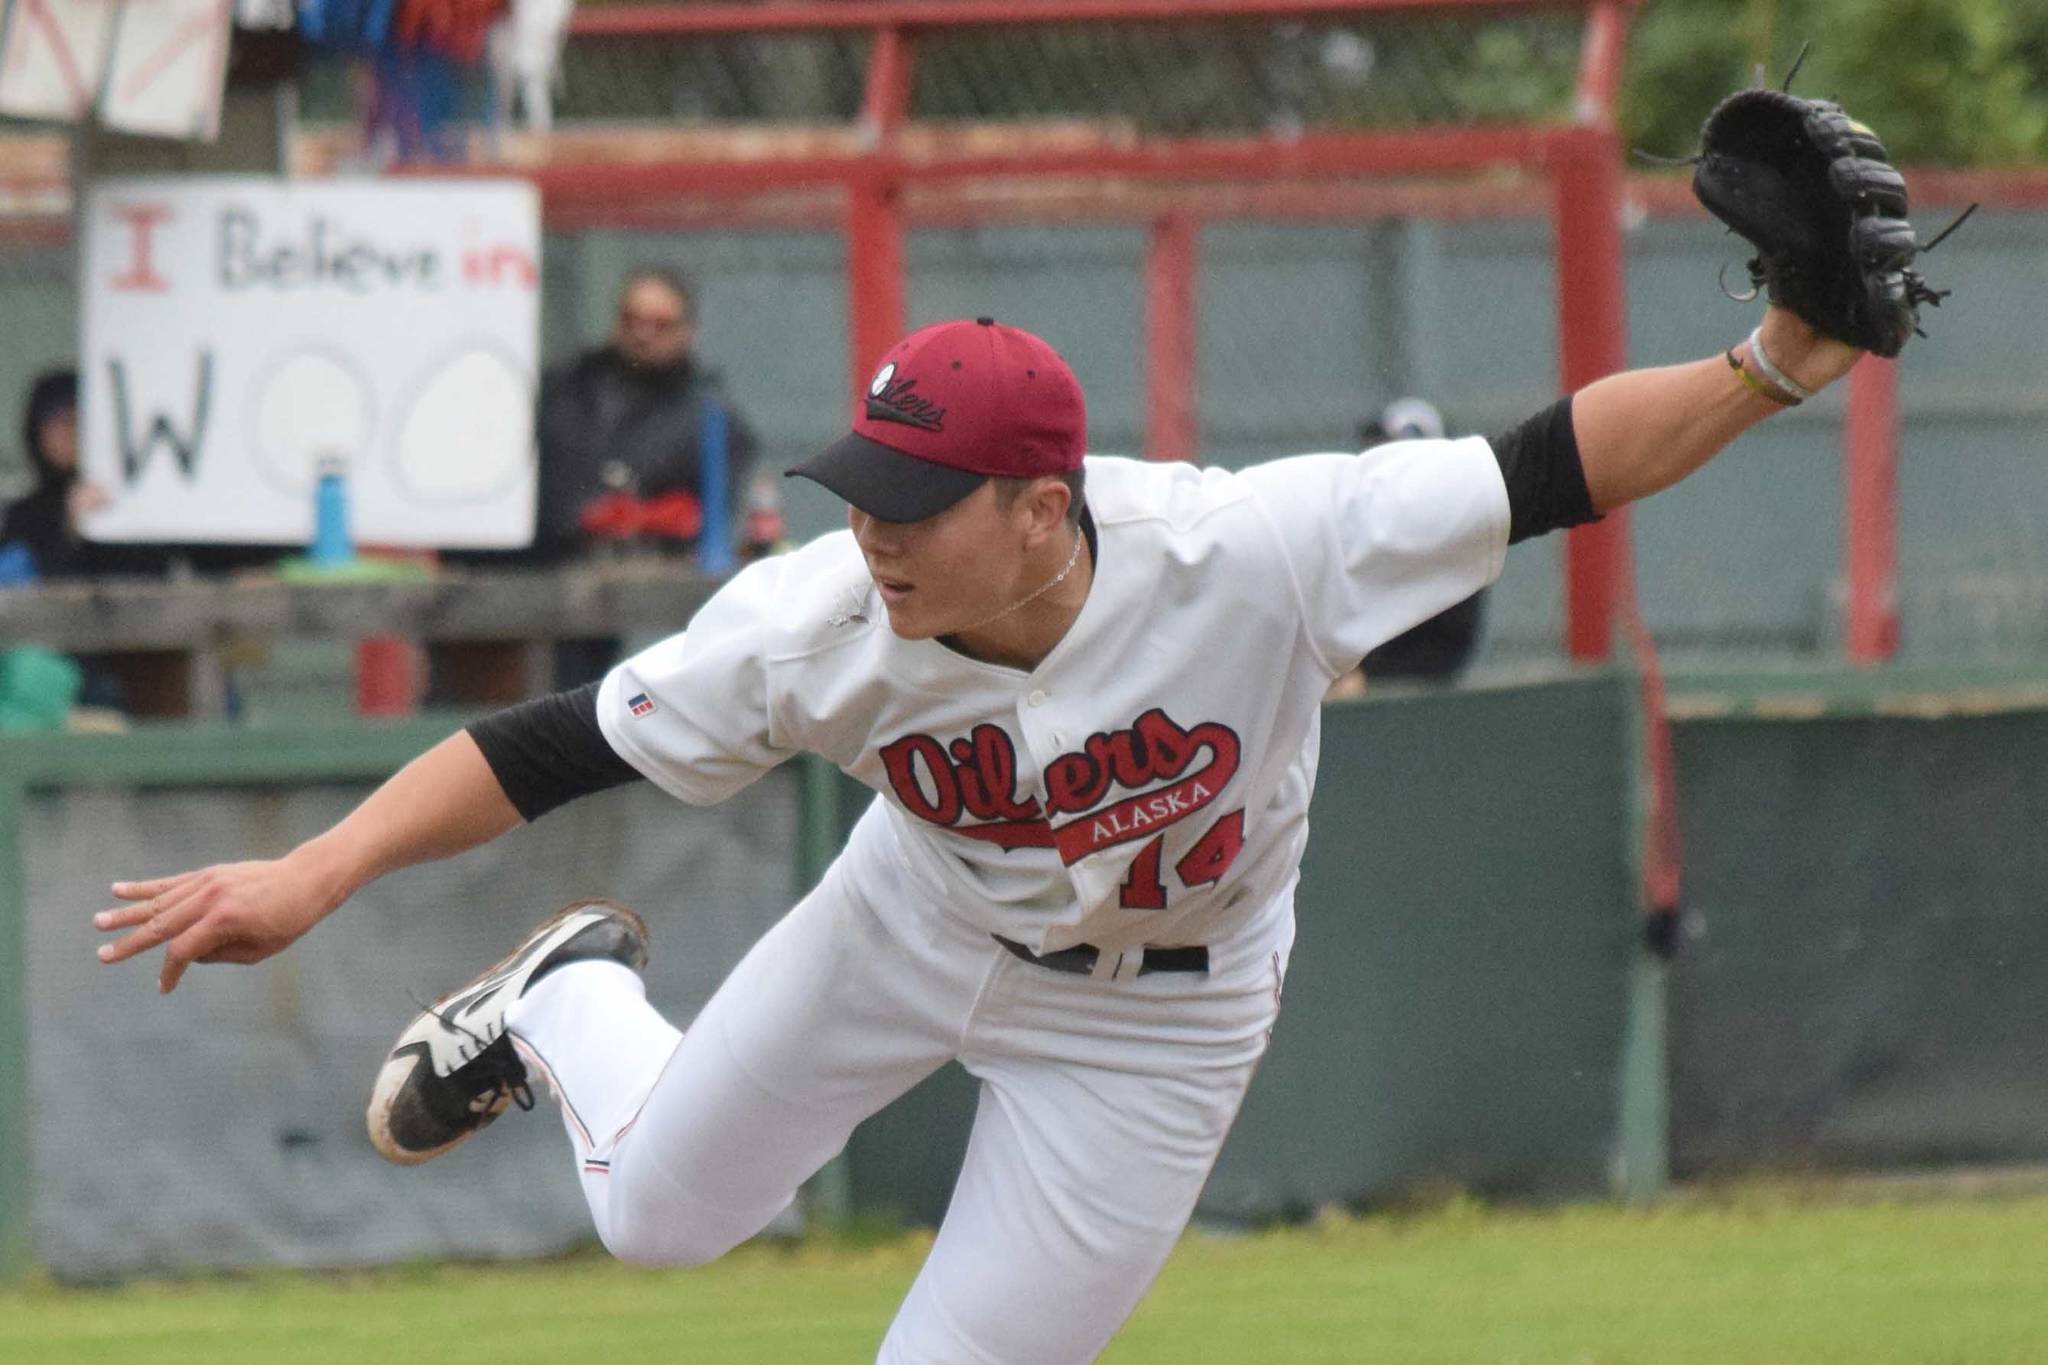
(1539, 460)
(550, 751)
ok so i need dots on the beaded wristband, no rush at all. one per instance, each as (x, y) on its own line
(1755, 385)
(1772, 372)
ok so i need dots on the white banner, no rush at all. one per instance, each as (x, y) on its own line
(242, 332)
(53, 55)
(169, 68)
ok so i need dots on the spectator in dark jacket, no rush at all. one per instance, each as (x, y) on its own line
(45, 521)
(619, 433)
(628, 418)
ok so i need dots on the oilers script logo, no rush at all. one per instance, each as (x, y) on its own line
(969, 787)
(897, 400)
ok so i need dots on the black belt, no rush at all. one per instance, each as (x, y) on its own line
(1080, 959)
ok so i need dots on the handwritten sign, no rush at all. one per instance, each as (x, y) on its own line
(243, 333)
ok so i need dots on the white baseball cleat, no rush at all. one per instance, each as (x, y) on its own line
(453, 1070)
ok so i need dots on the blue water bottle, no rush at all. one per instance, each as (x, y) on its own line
(714, 470)
(331, 547)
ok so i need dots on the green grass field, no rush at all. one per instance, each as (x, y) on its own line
(1745, 1279)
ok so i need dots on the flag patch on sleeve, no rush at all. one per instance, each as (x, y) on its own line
(640, 704)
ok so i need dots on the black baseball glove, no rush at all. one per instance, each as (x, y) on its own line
(1815, 193)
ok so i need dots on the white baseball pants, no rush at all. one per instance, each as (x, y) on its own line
(1103, 1106)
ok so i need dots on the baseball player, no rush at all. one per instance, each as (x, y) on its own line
(1085, 692)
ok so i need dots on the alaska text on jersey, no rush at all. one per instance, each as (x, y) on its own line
(976, 775)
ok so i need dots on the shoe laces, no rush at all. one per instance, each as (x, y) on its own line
(506, 1073)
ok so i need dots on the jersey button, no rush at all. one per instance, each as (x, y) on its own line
(1037, 698)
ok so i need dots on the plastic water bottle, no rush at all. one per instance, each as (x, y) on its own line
(764, 517)
(331, 546)
(714, 543)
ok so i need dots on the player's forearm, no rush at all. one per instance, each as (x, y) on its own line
(444, 802)
(1644, 430)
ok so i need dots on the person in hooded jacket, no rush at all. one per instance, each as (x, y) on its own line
(39, 533)
(45, 521)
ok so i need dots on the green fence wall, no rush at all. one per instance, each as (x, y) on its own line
(1865, 979)
(170, 756)
(223, 1125)
(1460, 839)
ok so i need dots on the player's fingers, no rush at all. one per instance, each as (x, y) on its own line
(128, 916)
(218, 936)
(213, 938)
(167, 921)
(153, 886)
(187, 948)
(123, 916)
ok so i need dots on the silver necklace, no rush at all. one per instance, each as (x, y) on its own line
(1073, 558)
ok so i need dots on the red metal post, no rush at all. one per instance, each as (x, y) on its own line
(1592, 342)
(1870, 473)
(1600, 57)
(874, 274)
(885, 103)
(874, 211)
(1170, 348)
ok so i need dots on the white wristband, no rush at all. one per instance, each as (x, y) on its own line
(1771, 371)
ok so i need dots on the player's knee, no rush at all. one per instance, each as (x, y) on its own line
(653, 1248)
(652, 1237)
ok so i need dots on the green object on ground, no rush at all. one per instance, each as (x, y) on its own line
(362, 569)
(37, 688)
(1755, 1276)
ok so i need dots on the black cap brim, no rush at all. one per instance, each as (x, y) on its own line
(884, 482)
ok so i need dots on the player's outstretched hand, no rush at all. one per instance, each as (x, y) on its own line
(230, 912)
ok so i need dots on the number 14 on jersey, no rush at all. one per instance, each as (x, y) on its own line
(1202, 865)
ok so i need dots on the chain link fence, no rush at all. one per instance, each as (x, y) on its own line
(1155, 78)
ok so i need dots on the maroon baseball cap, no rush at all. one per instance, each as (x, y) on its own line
(954, 404)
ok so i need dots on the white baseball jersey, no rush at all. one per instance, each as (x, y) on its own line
(1149, 782)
